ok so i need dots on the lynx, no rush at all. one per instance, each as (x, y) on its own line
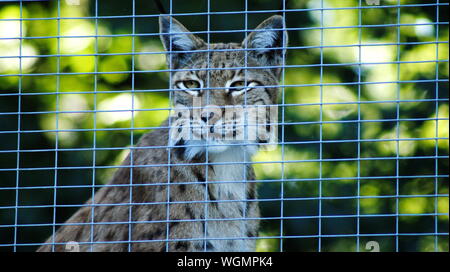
(189, 185)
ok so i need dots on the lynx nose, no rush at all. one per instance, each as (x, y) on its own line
(210, 115)
(207, 116)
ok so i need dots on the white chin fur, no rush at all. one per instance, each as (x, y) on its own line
(196, 147)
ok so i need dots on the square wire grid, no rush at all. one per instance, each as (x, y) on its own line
(386, 103)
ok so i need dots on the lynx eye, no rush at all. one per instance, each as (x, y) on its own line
(238, 84)
(190, 86)
(239, 87)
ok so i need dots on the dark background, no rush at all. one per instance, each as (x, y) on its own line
(319, 158)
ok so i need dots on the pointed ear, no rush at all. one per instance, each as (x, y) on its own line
(175, 37)
(268, 35)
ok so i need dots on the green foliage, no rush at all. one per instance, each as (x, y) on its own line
(70, 78)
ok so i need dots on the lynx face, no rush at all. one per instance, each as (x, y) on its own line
(224, 93)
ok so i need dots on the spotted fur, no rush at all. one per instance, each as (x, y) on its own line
(182, 195)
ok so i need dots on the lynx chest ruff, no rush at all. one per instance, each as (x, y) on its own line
(229, 184)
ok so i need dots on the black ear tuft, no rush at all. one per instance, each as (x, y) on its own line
(175, 37)
(268, 35)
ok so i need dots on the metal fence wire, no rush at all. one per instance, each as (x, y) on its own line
(361, 162)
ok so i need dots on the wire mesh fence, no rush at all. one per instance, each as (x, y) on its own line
(361, 161)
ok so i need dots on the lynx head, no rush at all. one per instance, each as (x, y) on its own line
(223, 93)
